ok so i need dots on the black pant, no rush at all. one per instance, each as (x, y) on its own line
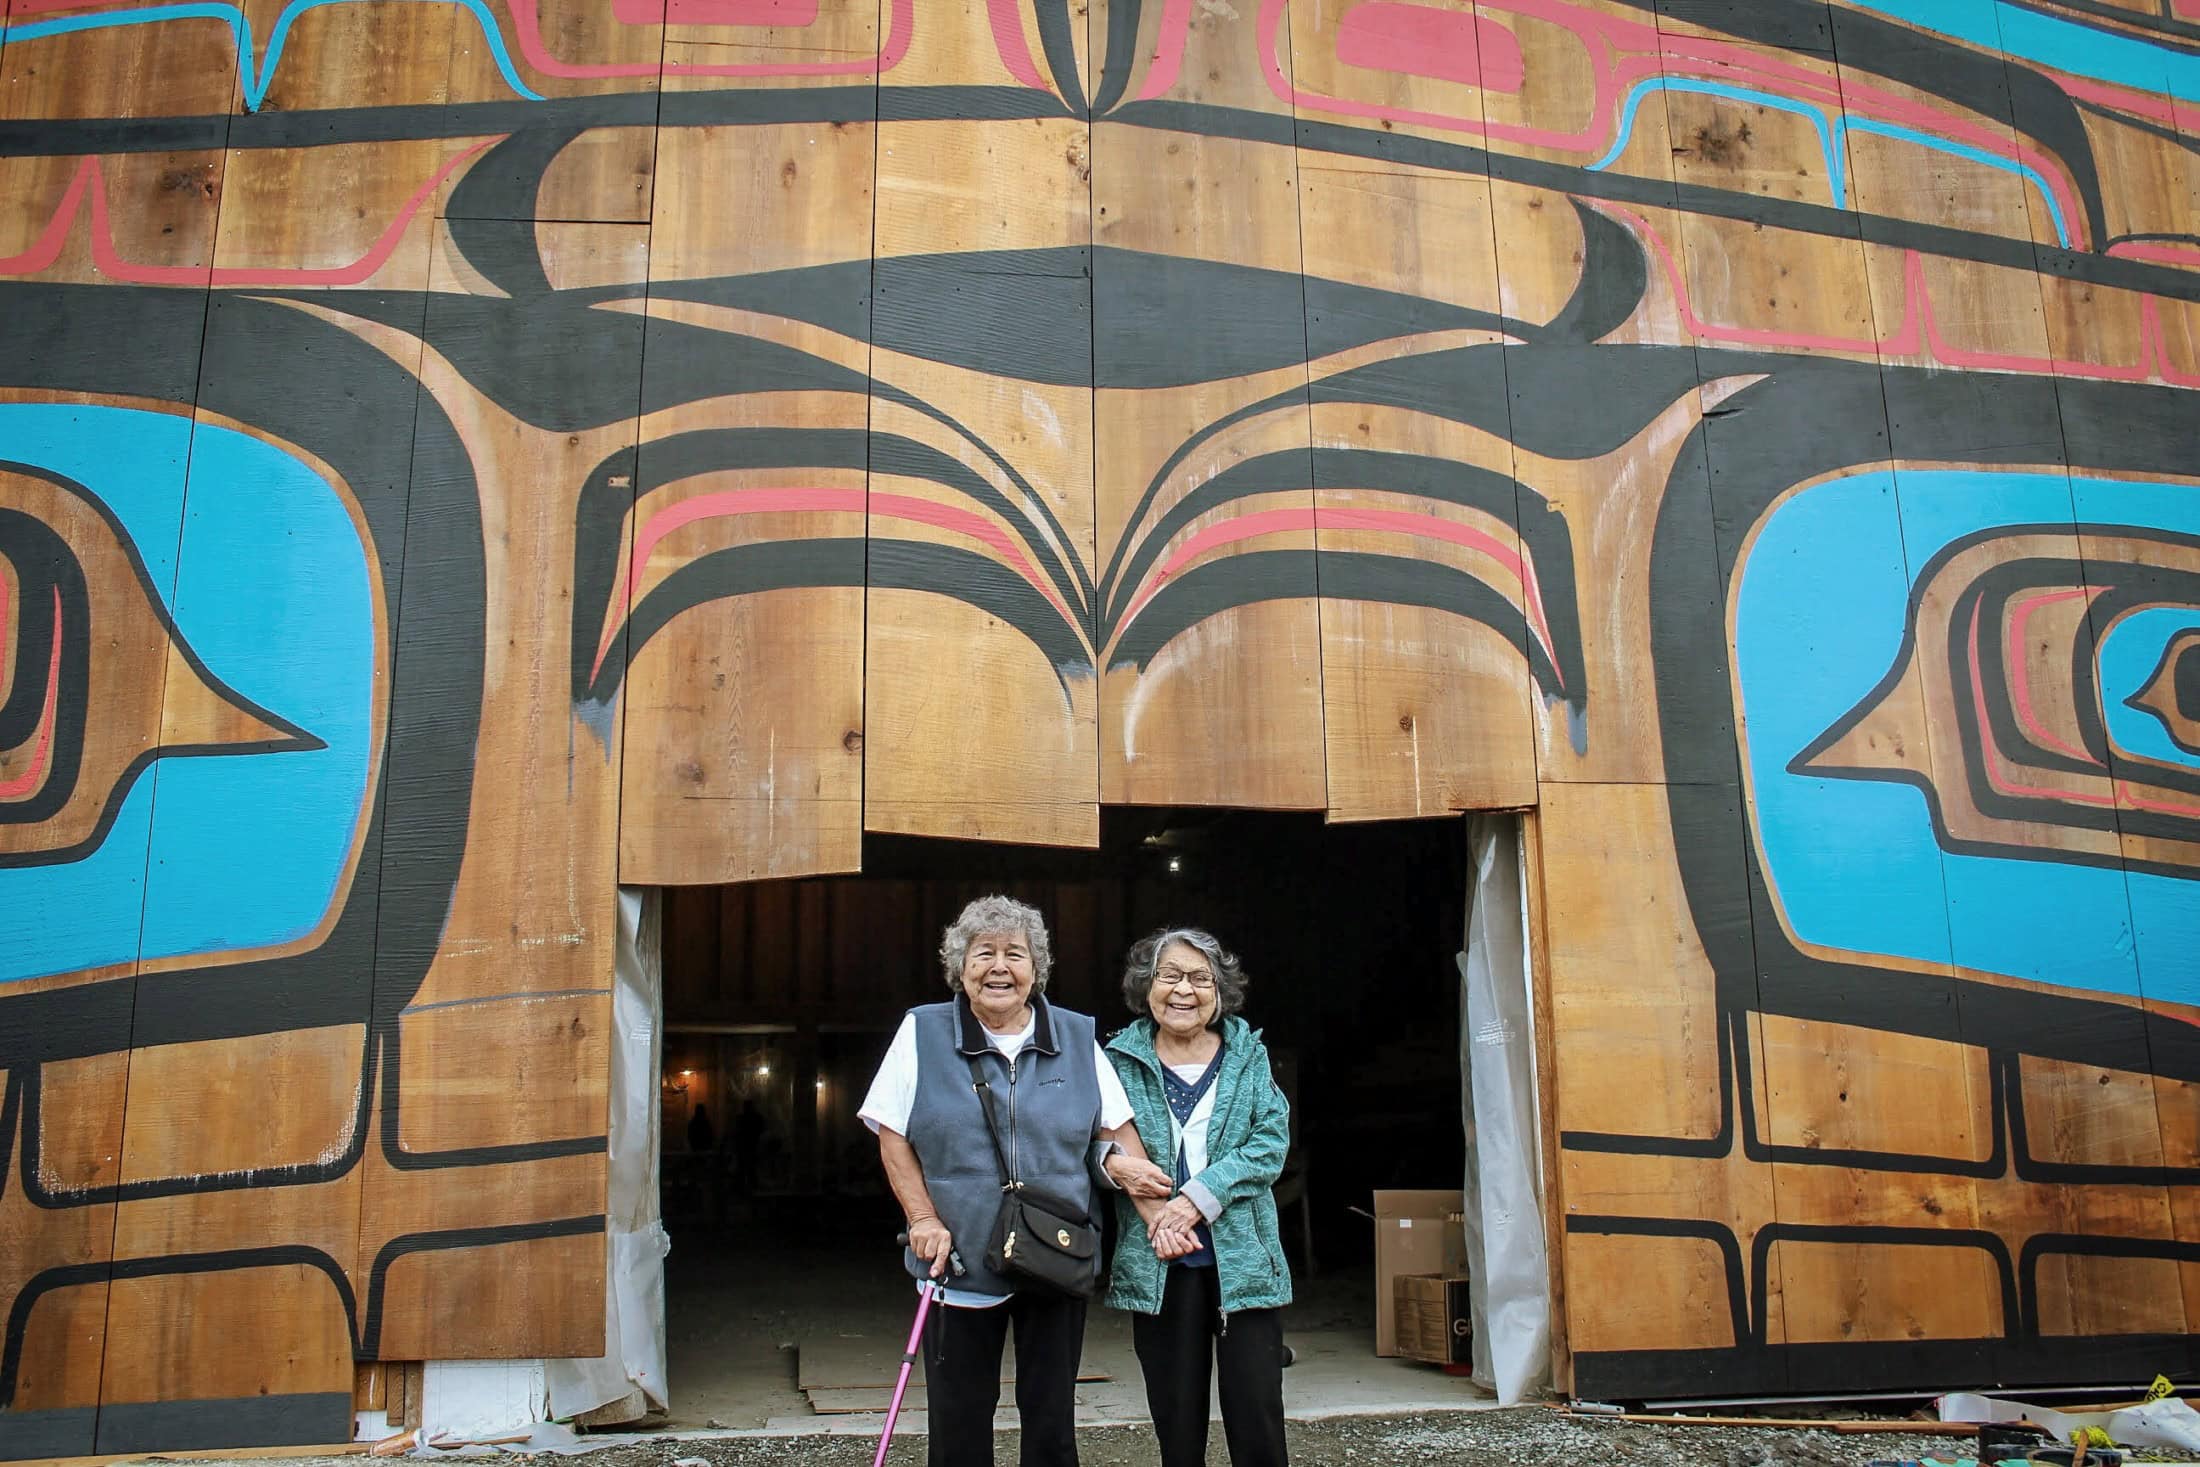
(962, 1377)
(1185, 1344)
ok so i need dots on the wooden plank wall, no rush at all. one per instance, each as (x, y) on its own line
(472, 455)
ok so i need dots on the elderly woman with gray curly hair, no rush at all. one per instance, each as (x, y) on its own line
(1202, 1271)
(992, 1109)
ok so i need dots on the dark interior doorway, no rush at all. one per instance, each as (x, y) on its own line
(779, 998)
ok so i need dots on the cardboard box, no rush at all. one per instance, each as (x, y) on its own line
(1433, 1320)
(1415, 1233)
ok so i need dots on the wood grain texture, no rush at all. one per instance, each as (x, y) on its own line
(664, 441)
(1230, 711)
(978, 727)
(744, 709)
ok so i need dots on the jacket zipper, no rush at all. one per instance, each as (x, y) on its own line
(1010, 1179)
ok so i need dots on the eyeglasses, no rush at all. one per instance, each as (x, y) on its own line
(1199, 978)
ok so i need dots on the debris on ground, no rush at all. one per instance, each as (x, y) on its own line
(1526, 1436)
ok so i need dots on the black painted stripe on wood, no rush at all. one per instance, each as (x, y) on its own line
(315, 1418)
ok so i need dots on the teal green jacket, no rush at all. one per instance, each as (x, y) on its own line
(1246, 1142)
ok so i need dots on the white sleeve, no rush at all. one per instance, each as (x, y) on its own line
(1115, 1106)
(893, 1091)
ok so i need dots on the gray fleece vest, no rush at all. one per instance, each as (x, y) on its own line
(1047, 1105)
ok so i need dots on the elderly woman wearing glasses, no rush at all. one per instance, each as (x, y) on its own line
(1200, 1265)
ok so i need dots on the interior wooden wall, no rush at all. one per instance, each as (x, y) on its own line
(455, 458)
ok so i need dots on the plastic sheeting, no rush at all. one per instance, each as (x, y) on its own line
(633, 1362)
(1508, 1270)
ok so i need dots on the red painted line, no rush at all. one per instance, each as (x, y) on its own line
(1621, 53)
(2020, 675)
(1267, 522)
(1435, 527)
(2169, 111)
(710, 506)
(1904, 342)
(2147, 249)
(978, 527)
(729, 502)
(2150, 313)
(6, 594)
(46, 248)
(2158, 807)
(29, 779)
(1168, 51)
(527, 32)
(1388, 521)
(108, 261)
(790, 13)
(1419, 40)
(1986, 753)
(1006, 17)
(1918, 333)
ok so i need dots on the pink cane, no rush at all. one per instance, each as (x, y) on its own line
(929, 1290)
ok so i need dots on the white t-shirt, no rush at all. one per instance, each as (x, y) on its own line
(893, 1095)
(1192, 1135)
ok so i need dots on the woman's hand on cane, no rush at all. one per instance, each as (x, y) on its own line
(930, 1241)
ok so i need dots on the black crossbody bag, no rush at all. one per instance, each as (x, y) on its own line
(1036, 1239)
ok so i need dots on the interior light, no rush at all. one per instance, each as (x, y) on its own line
(763, 1072)
(1176, 865)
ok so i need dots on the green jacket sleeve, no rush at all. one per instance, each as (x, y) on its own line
(1251, 1168)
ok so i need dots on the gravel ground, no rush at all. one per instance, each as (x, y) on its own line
(1526, 1437)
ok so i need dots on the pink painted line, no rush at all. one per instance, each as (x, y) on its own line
(1388, 521)
(1871, 101)
(711, 506)
(2020, 674)
(1904, 341)
(2158, 807)
(795, 13)
(1168, 52)
(1420, 40)
(109, 262)
(1008, 40)
(1986, 753)
(2150, 315)
(1435, 527)
(726, 503)
(2145, 249)
(29, 779)
(1267, 522)
(1918, 333)
(1629, 52)
(7, 655)
(46, 248)
(2169, 111)
(978, 527)
(527, 32)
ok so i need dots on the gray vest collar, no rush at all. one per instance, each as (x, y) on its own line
(974, 1043)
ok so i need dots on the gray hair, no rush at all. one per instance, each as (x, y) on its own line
(996, 916)
(1144, 961)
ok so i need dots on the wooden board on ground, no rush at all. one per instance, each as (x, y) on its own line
(849, 1365)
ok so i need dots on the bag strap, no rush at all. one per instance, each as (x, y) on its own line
(984, 1089)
